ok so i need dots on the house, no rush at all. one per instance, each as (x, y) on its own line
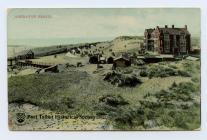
(122, 61)
(176, 41)
(27, 54)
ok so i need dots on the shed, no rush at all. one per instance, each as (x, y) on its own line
(122, 61)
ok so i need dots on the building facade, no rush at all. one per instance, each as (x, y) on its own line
(176, 41)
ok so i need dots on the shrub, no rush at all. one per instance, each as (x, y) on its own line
(143, 73)
(104, 109)
(68, 102)
(174, 85)
(172, 66)
(63, 104)
(128, 118)
(187, 88)
(188, 66)
(170, 109)
(123, 119)
(161, 71)
(184, 73)
(195, 79)
(182, 92)
(181, 120)
(113, 100)
(127, 71)
(121, 80)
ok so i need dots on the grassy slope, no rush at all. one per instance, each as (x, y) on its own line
(124, 44)
(76, 92)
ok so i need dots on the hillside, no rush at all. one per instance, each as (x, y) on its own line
(126, 43)
(149, 105)
(119, 44)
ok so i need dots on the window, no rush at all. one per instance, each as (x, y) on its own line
(182, 43)
(166, 43)
(166, 36)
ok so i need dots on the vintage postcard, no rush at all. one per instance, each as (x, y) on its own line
(104, 69)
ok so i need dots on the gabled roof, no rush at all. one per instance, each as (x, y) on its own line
(124, 57)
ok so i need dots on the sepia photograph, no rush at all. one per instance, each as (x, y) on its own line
(104, 69)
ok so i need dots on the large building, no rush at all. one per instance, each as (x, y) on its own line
(176, 41)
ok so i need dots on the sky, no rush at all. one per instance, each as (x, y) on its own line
(96, 23)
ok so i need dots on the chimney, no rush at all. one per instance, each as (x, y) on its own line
(173, 26)
(186, 27)
(165, 26)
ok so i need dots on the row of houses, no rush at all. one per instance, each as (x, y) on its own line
(124, 60)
